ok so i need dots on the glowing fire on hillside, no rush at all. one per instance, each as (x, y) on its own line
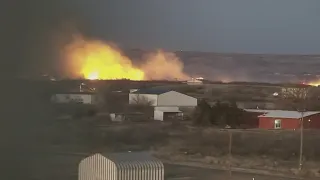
(315, 83)
(94, 59)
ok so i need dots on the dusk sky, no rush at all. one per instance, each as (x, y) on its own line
(248, 26)
(243, 26)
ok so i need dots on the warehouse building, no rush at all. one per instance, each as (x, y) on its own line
(120, 166)
(166, 103)
(280, 119)
(162, 98)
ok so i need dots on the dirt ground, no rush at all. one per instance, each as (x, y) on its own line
(180, 142)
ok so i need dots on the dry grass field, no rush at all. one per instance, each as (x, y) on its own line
(179, 142)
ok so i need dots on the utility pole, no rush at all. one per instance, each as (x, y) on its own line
(301, 141)
(230, 153)
(304, 97)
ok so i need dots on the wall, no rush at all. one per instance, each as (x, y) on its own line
(158, 115)
(68, 98)
(173, 98)
(143, 98)
(251, 120)
(286, 123)
(253, 105)
(310, 122)
(314, 122)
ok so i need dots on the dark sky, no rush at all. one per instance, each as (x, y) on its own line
(247, 26)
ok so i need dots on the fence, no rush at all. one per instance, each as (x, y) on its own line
(267, 150)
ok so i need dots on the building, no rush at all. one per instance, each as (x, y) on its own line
(166, 103)
(167, 113)
(133, 117)
(162, 98)
(279, 119)
(250, 104)
(75, 97)
(194, 81)
(118, 166)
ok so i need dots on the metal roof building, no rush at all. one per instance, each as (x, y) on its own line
(121, 166)
(280, 119)
(282, 113)
(156, 91)
(162, 97)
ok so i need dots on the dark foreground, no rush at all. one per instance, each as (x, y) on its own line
(176, 172)
(65, 167)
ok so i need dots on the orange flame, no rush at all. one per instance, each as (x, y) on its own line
(95, 59)
(315, 83)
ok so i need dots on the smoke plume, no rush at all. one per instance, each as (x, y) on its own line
(163, 65)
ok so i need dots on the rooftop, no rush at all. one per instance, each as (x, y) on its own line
(126, 157)
(156, 91)
(76, 92)
(282, 113)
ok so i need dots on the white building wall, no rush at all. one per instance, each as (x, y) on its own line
(160, 110)
(68, 98)
(158, 115)
(97, 167)
(135, 98)
(173, 98)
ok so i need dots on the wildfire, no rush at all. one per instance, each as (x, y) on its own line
(93, 59)
(96, 60)
(316, 83)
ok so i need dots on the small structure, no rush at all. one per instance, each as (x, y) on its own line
(280, 119)
(167, 113)
(133, 90)
(162, 97)
(117, 117)
(194, 81)
(75, 97)
(133, 117)
(119, 166)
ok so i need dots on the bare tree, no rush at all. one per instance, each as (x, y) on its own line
(295, 98)
(142, 100)
(294, 92)
(142, 104)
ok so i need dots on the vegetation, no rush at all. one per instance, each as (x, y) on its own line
(221, 114)
(276, 150)
(300, 98)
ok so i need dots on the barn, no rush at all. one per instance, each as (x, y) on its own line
(281, 119)
(119, 166)
(162, 97)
